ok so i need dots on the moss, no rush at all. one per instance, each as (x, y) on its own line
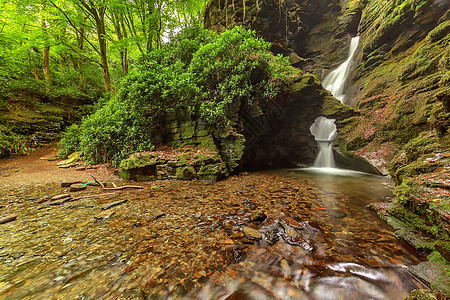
(138, 161)
(302, 82)
(333, 108)
(186, 173)
(422, 295)
(416, 222)
(414, 169)
(439, 32)
(209, 172)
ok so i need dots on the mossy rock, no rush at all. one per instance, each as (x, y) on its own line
(138, 161)
(439, 32)
(333, 108)
(186, 173)
(209, 172)
(144, 173)
(71, 161)
(423, 294)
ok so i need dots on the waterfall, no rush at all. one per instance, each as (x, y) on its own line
(335, 81)
(324, 131)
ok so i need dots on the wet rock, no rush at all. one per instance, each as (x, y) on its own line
(288, 221)
(159, 216)
(104, 215)
(238, 295)
(228, 224)
(112, 204)
(337, 214)
(284, 264)
(251, 233)
(258, 216)
(67, 240)
(293, 237)
(75, 188)
(132, 294)
(69, 183)
(60, 201)
(249, 204)
(271, 236)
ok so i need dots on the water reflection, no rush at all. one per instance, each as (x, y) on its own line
(355, 255)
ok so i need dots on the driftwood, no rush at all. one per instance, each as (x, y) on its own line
(7, 219)
(95, 179)
(116, 188)
(123, 188)
(62, 196)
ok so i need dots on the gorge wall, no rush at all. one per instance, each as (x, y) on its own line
(399, 93)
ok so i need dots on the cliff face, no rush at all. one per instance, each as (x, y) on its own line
(311, 33)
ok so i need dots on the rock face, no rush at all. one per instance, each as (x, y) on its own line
(277, 134)
(311, 33)
(32, 121)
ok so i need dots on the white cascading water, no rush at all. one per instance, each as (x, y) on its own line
(324, 131)
(335, 81)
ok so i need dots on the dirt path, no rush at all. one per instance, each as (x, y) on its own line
(30, 169)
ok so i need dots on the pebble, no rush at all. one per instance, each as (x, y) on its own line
(8, 219)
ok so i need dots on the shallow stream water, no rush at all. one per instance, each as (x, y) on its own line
(186, 240)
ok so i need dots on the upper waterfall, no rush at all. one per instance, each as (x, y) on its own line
(335, 81)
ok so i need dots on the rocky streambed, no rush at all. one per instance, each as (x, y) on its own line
(286, 235)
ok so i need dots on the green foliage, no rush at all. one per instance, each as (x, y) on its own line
(199, 73)
(12, 141)
(70, 141)
(111, 134)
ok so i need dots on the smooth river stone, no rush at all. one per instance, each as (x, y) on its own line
(251, 233)
(112, 204)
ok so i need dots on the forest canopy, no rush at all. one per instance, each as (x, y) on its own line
(82, 46)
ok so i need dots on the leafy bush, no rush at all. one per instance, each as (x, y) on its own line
(199, 72)
(12, 141)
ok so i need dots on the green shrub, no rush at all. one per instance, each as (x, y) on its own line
(199, 73)
(70, 141)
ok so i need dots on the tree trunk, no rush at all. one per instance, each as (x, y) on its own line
(46, 68)
(36, 75)
(80, 39)
(124, 55)
(101, 33)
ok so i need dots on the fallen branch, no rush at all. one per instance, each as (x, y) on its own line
(123, 187)
(101, 184)
(117, 188)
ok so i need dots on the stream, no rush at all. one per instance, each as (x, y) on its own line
(286, 234)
